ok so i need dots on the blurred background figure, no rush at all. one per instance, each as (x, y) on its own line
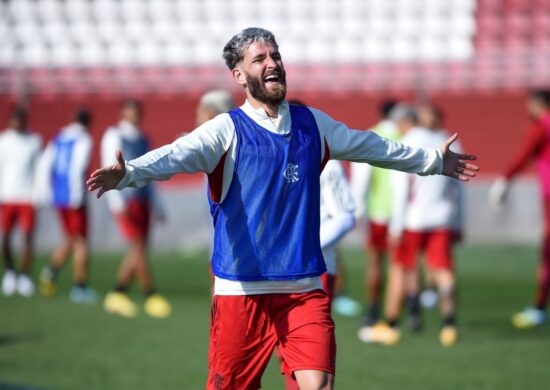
(132, 209)
(536, 146)
(337, 218)
(62, 172)
(212, 104)
(19, 153)
(372, 192)
(426, 219)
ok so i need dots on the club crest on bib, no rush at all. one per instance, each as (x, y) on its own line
(291, 173)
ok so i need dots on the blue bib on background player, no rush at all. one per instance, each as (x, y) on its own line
(61, 171)
(267, 227)
(131, 149)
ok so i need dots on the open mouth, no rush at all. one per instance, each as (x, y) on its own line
(271, 79)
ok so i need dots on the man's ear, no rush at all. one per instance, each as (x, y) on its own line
(239, 76)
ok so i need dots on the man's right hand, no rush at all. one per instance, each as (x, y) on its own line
(107, 178)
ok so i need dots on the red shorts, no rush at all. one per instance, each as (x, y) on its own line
(436, 244)
(134, 224)
(329, 284)
(378, 236)
(75, 221)
(245, 329)
(18, 213)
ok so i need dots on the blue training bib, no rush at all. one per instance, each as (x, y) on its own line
(267, 227)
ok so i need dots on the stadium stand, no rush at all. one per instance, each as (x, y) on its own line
(53, 35)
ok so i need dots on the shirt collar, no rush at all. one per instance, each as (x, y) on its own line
(279, 125)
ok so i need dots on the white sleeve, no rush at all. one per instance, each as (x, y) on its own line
(367, 146)
(199, 151)
(338, 204)
(361, 174)
(82, 155)
(400, 193)
(109, 145)
(42, 186)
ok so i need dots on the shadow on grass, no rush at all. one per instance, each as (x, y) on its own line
(11, 386)
(8, 339)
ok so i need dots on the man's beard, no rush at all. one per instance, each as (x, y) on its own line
(261, 93)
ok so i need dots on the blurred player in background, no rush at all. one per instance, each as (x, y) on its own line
(19, 153)
(132, 209)
(426, 219)
(63, 169)
(536, 146)
(212, 104)
(371, 188)
(264, 160)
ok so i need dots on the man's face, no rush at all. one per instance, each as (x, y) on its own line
(131, 114)
(535, 108)
(403, 125)
(264, 72)
(427, 117)
(16, 123)
(204, 114)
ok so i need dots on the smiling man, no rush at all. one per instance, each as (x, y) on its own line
(263, 162)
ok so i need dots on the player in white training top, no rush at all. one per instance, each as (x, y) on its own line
(19, 153)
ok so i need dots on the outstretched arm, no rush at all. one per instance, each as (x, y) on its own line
(107, 178)
(366, 146)
(199, 151)
(456, 165)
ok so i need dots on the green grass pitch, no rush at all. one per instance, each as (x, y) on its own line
(58, 345)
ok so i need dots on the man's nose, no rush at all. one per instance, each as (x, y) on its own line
(270, 62)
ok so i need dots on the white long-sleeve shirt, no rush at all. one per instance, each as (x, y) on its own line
(337, 208)
(425, 203)
(76, 163)
(202, 150)
(19, 154)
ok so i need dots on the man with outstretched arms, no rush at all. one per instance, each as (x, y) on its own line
(62, 175)
(264, 160)
(19, 153)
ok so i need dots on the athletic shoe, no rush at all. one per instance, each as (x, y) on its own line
(448, 336)
(25, 286)
(120, 304)
(380, 333)
(429, 298)
(9, 283)
(83, 295)
(345, 306)
(157, 306)
(529, 318)
(47, 284)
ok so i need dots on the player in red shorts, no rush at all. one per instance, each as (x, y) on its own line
(132, 209)
(19, 153)
(426, 219)
(372, 192)
(264, 160)
(536, 146)
(62, 173)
